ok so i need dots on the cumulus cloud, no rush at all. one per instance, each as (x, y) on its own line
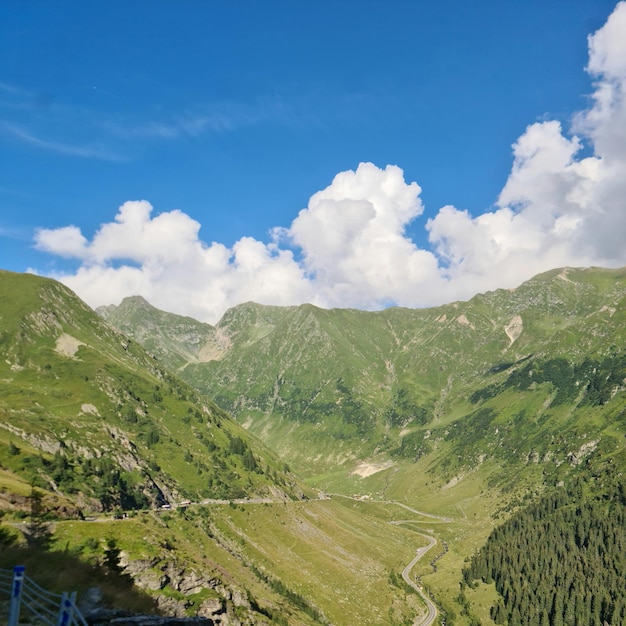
(163, 259)
(349, 247)
(352, 237)
(555, 208)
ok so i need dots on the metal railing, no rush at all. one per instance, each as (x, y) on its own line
(28, 599)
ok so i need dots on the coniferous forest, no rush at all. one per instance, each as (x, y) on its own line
(561, 561)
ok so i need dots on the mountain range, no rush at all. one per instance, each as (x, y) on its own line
(307, 451)
(531, 373)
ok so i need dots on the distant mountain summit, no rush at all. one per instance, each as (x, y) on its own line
(504, 375)
(441, 421)
(177, 340)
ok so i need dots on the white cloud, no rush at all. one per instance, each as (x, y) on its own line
(67, 241)
(163, 259)
(351, 244)
(554, 209)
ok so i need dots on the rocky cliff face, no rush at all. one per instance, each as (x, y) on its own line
(222, 605)
(154, 575)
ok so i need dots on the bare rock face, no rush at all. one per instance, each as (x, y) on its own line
(514, 329)
(151, 580)
(239, 598)
(212, 607)
(154, 575)
(96, 615)
(188, 582)
(171, 606)
(136, 567)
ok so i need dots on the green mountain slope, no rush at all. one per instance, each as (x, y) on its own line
(128, 460)
(465, 411)
(470, 410)
(85, 410)
(531, 373)
(177, 340)
(561, 560)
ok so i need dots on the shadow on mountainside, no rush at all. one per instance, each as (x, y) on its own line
(59, 571)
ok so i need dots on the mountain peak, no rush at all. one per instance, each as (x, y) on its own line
(135, 300)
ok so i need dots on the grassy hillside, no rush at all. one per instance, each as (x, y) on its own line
(421, 425)
(96, 425)
(85, 410)
(110, 440)
(469, 411)
(300, 562)
(525, 371)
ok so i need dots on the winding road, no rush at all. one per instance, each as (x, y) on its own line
(430, 617)
(432, 612)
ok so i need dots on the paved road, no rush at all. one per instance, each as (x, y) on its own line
(401, 504)
(430, 617)
(408, 508)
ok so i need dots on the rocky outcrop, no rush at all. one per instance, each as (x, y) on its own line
(154, 575)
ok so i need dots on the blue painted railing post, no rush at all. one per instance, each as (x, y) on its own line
(65, 610)
(16, 595)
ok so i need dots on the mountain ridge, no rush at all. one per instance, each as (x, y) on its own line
(134, 469)
(113, 397)
(466, 411)
(345, 374)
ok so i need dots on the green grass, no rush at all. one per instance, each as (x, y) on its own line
(319, 388)
(63, 570)
(161, 431)
(10, 483)
(294, 375)
(336, 555)
(333, 553)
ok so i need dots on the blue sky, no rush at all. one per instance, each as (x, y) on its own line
(228, 117)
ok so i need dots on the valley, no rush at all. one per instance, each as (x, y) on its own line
(295, 465)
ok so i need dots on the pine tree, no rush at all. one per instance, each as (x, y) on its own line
(39, 534)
